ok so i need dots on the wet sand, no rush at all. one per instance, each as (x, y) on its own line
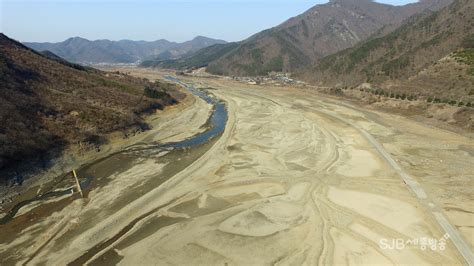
(288, 182)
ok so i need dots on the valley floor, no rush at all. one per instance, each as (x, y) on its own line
(296, 178)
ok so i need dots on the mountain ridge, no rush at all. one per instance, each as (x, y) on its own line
(81, 50)
(300, 41)
(320, 31)
(418, 44)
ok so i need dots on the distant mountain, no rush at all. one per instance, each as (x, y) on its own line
(48, 103)
(200, 58)
(61, 60)
(81, 50)
(431, 54)
(322, 30)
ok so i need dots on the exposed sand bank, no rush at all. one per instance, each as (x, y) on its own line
(287, 183)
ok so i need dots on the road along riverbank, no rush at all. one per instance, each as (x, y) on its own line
(292, 179)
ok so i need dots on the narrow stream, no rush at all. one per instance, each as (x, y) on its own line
(216, 122)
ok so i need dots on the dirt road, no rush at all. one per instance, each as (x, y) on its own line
(295, 179)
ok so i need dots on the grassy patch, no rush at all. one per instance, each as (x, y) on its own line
(118, 85)
(466, 56)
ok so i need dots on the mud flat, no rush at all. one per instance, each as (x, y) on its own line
(292, 180)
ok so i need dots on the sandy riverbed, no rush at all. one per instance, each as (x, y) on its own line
(289, 182)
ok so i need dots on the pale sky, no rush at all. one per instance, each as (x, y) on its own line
(174, 20)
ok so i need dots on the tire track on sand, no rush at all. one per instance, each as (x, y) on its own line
(462, 247)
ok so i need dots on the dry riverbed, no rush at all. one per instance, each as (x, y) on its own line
(292, 180)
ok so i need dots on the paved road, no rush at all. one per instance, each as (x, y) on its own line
(292, 180)
(418, 190)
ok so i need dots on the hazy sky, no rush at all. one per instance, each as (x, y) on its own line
(175, 20)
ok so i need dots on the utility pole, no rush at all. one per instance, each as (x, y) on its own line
(77, 183)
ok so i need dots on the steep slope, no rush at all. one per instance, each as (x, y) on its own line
(321, 31)
(47, 104)
(81, 50)
(448, 80)
(410, 56)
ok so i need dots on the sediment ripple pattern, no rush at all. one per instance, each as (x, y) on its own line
(287, 183)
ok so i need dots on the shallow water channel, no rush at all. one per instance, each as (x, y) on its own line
(215, 127)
